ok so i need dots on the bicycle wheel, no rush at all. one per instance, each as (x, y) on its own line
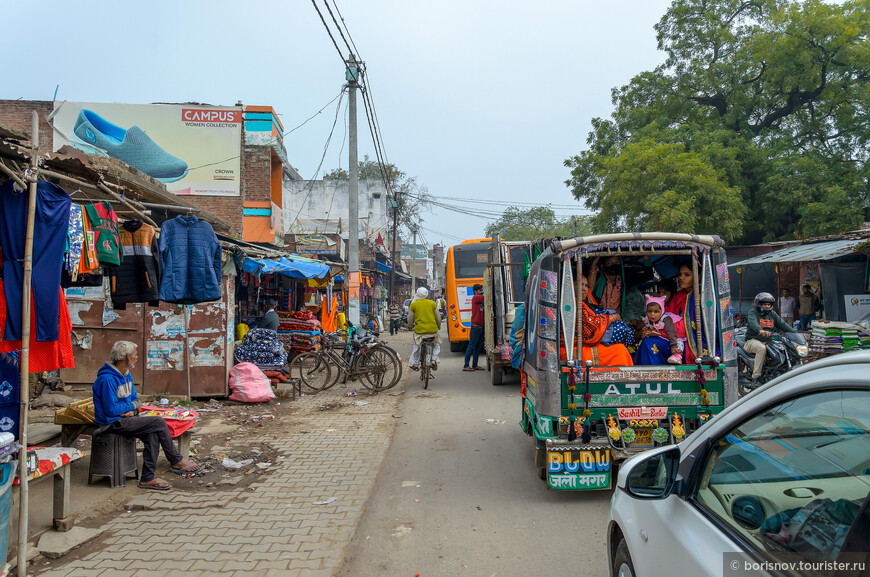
(314, 371)
(425, 368)
(398, 358)
(380, 368)
(336, 368)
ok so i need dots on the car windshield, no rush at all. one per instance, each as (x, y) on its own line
(798, 441)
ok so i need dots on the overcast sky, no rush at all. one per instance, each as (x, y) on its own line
(477, 99)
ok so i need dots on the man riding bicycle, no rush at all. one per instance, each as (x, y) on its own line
(426, 322)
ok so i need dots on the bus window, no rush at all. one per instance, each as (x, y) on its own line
(470, 260)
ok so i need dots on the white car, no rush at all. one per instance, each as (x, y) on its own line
(782, 474)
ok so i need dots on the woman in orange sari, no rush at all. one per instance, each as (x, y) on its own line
(594, 326)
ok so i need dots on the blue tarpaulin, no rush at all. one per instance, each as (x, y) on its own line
(301, 269)
(383, 267)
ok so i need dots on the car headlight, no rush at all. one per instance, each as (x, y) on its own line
(803, 350)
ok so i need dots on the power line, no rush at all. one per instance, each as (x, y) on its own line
(322, 158)
(313, 115)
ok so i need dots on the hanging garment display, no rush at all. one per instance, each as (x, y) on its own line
(45, 355)
(75, 240)
(137, 279)
(49, 241)
(88, 262)
(105, 223)
(190, 257)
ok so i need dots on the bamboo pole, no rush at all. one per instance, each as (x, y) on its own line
(24, 366)
(11, 174)
(120, 199)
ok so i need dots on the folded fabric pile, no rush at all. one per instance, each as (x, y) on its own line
(830, 337)
(300, 331)
(276, 377)
(262, 348)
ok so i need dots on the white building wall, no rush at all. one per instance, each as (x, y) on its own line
(306, 200)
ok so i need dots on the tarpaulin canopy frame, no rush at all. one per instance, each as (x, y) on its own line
(293, 267)
(808, 252)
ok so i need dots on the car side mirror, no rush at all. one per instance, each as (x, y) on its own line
(653, 476)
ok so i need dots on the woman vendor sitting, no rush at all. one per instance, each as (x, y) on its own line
(594, 328)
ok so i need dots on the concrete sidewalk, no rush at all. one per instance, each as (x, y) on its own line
(329, 453)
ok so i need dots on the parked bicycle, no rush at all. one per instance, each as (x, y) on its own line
(361, 356)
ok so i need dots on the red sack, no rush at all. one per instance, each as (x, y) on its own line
(178, 420)
(248, 384)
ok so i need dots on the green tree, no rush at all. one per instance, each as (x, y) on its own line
(768, 103)
(410, 196)
(536, 223)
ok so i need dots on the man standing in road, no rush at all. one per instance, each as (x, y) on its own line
(786, 307)
(475, 339)
(808, 305)
(395, 315)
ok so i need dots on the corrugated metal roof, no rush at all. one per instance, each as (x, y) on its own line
(808, 252)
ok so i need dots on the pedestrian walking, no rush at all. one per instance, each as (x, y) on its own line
(787, 306)
(395, 315)
(475, 339)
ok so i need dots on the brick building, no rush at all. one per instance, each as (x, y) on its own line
(254, 210)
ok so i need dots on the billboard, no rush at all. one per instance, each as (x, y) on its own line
(192, 149)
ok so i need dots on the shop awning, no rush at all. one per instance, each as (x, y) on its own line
(807, 252)
(302, 268)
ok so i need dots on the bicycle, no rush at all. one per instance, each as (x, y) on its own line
(377, 366)
(426, 368)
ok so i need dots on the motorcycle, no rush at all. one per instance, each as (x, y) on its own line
(783, 354)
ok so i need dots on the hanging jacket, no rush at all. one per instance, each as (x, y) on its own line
(88, 261)
(105, 223)
(191, 261)
(137, 279)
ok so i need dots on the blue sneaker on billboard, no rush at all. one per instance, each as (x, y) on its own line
(132, 146)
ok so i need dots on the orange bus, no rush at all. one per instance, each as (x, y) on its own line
(464, 268)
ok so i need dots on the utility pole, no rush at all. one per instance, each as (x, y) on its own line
(394, 204)
(413, 258)
(352, 76)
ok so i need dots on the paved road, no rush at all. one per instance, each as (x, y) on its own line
(479, 509)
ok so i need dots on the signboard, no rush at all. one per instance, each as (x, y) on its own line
(463, 303)
(192, 149)
(571, 468)
(315, 244)
(857, 308)
(642, 413)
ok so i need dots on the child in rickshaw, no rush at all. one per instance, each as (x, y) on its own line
(659, 336)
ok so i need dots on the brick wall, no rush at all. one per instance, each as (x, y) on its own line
(16, 114)
(257, 173)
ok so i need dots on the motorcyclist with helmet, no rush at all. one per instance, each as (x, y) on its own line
(761, 322)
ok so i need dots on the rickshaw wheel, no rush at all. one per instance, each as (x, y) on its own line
(540, 458)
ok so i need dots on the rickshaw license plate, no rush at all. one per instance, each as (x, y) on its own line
(643, 437)
(578, 469)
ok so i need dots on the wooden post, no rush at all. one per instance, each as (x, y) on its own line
(24, 365)
(697, 293)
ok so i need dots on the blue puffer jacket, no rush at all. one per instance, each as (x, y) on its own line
(191, 259)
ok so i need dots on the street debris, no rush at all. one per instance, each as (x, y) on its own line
(360, 403)
(231, 464)
(326, 502)
(264, 465)
(494, 421)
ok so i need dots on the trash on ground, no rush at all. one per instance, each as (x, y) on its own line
(360, 403)
(326, 502)
(230, 464)
(494, 421)
(264, 465)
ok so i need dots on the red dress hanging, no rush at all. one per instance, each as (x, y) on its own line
(44, 356)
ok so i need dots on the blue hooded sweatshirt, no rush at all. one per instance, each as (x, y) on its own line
(114, 395)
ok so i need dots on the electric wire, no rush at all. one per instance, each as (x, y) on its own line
(319, 166)
(313, 115)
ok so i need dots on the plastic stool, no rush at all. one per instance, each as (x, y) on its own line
(113, 456)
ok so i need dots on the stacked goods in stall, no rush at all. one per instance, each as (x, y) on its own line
(299, 331)
(262, 348)
(830, 337)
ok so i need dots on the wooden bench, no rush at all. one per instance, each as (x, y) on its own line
(70, 433)
(61, 517)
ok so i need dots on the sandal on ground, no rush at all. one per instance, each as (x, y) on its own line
(157, 486)
(479, 368)
(187, 468)
(469, 369)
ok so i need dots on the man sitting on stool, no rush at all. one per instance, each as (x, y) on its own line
(116, 409)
